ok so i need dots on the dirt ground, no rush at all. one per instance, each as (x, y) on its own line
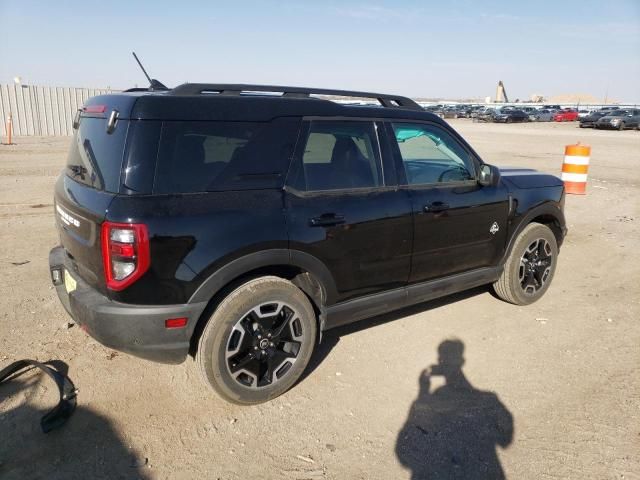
(554, 388)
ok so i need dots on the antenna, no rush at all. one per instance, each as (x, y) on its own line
(153, 83)
(141, 67)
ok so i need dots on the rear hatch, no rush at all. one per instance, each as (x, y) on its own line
(90, 181)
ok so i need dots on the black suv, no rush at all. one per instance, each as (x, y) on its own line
(237, 222)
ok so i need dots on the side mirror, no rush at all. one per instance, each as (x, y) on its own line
(489, 176)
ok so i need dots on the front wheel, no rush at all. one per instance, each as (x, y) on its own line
(530, 266)
(621, 126)
(258, 341)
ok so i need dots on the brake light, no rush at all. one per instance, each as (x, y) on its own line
(95, 108)
(125, 253)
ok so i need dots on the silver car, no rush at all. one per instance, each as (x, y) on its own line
(544, 115)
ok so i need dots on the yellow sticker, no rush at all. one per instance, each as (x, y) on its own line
(69, 282)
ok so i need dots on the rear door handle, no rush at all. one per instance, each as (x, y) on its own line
(436, 207)
(326, 220)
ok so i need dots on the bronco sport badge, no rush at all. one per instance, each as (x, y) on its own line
(494, 228)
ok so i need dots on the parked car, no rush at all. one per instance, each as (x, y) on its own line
(485, 115)
(201, 220)
(620, 120)
(591, 119)
(511, 116)
(477, 110)
(465, 111)
(543, 115)
(449, 112)
(566, 116)
(583, 113)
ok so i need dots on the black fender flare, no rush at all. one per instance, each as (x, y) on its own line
(266, 258)
(549, 209)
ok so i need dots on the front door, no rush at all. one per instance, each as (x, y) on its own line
(344, 207)
(459, 225)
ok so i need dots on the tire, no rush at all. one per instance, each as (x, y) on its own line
(621, 126)
(517, 284)
(509, 120)
(267, 324)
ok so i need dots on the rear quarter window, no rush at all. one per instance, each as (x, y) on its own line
(95, 156)
(213, 156)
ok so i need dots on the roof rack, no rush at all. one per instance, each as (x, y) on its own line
(390, 101)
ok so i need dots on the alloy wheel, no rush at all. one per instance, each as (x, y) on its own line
(264, 344)
(535, 266)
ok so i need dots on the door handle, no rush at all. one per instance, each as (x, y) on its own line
(326, 220)
(436, 207)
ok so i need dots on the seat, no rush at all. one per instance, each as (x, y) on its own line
(349, 168)
(189, 169)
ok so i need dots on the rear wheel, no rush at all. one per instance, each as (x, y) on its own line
(530, 267)
(258, 341)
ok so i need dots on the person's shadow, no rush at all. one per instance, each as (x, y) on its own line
(454, 431)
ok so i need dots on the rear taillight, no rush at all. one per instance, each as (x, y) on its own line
(125, 253)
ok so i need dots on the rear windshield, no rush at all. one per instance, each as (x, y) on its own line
(211, 156)
(95, 156)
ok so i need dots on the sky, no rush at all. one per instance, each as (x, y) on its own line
(435, 49)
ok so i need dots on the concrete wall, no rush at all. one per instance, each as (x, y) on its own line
(41, 110)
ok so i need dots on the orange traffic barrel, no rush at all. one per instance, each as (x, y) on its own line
(575, 168)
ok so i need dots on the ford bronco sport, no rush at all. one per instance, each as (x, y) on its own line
(237, 222)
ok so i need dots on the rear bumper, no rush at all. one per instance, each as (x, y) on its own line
(135, 329)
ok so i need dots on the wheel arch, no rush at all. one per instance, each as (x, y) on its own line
(548, 214)
(305, 271)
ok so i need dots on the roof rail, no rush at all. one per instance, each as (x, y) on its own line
(391, 101)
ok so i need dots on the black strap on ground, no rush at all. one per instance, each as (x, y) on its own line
(67, 404)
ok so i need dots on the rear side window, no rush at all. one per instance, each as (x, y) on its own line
(339, 155)
(213, 156)
(95, 157)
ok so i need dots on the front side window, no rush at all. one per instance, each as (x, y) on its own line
(431, 155)
(339, 155)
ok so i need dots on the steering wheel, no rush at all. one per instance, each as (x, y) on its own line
(457, 168)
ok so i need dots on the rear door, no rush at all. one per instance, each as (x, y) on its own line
(459, 225)
(85, 188)
(344, 207)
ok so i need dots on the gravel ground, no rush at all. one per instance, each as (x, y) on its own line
(551, 390)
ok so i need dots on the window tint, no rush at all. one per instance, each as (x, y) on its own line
(431, 155)
(95, 156)
(210, 156)
(339, 155)
(140, 156)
